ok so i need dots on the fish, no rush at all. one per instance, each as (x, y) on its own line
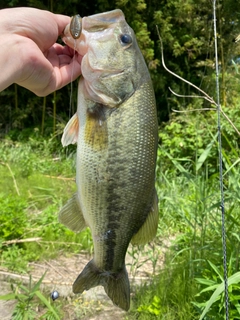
(116, 131)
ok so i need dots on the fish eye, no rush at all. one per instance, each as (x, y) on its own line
(125, 38)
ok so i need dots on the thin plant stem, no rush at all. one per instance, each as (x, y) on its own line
(43, 114)
(12, 175)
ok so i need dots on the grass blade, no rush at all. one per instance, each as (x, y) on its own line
(235, 278)
(205, 153)
(9, 296)
(47, 304)
(37, 285)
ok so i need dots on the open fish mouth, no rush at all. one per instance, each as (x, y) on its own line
(93, 23)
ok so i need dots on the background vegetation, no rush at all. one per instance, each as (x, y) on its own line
(187, 169)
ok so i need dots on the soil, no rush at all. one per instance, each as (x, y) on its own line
(60, 274)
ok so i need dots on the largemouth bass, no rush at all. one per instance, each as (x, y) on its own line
(116, 131)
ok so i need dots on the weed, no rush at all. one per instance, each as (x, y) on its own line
(13, 218)
(16, 259)
(167, 296)
(32, 212)
(213, 281)
(83, 307)
(28, 297)
(190, 215)
(187, 187)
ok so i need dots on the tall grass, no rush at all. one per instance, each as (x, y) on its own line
(190, 216)
(36, 179)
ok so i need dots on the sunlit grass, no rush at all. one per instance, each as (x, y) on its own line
(34, 184)
(35, 181)
(190, 217)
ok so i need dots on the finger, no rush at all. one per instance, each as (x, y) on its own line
(64, 60)
(43, 27)
(61, 21)
(60, 49)
(67, 73)
(59, 56)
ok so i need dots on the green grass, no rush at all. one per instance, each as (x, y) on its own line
(34, 183)
(36, 180)
(190, 215)
(167, 297)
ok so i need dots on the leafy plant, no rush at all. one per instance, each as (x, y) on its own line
(192, 136)
(153, 308)
(167, 295)
(27, 298)
(13, 217)
(216, 303)
(16, 258)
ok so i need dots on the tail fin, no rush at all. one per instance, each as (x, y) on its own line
(116, 285)
(118, 289)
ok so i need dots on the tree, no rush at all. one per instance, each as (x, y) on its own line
(186, 27)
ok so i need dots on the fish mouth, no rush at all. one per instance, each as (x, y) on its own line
(83, 29)
(101, 21)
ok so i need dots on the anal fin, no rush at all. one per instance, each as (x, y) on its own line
(71, 215)
(149, 229)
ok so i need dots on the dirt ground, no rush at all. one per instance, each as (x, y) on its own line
(61, 273)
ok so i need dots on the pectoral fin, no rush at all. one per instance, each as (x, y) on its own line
(149, 229)
(70, 133)
(71, 215)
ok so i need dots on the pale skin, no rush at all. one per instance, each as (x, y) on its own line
(30, 56)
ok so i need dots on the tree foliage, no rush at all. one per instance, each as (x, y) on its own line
(186, 27)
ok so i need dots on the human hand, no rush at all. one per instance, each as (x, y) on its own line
(31, 56)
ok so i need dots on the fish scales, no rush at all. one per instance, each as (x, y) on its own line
(116, 130)
(122, 187)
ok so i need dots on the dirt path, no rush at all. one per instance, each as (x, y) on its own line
(6, 307)
(60, 274)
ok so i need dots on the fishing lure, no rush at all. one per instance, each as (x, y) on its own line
(54, 295)
(76, 26)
